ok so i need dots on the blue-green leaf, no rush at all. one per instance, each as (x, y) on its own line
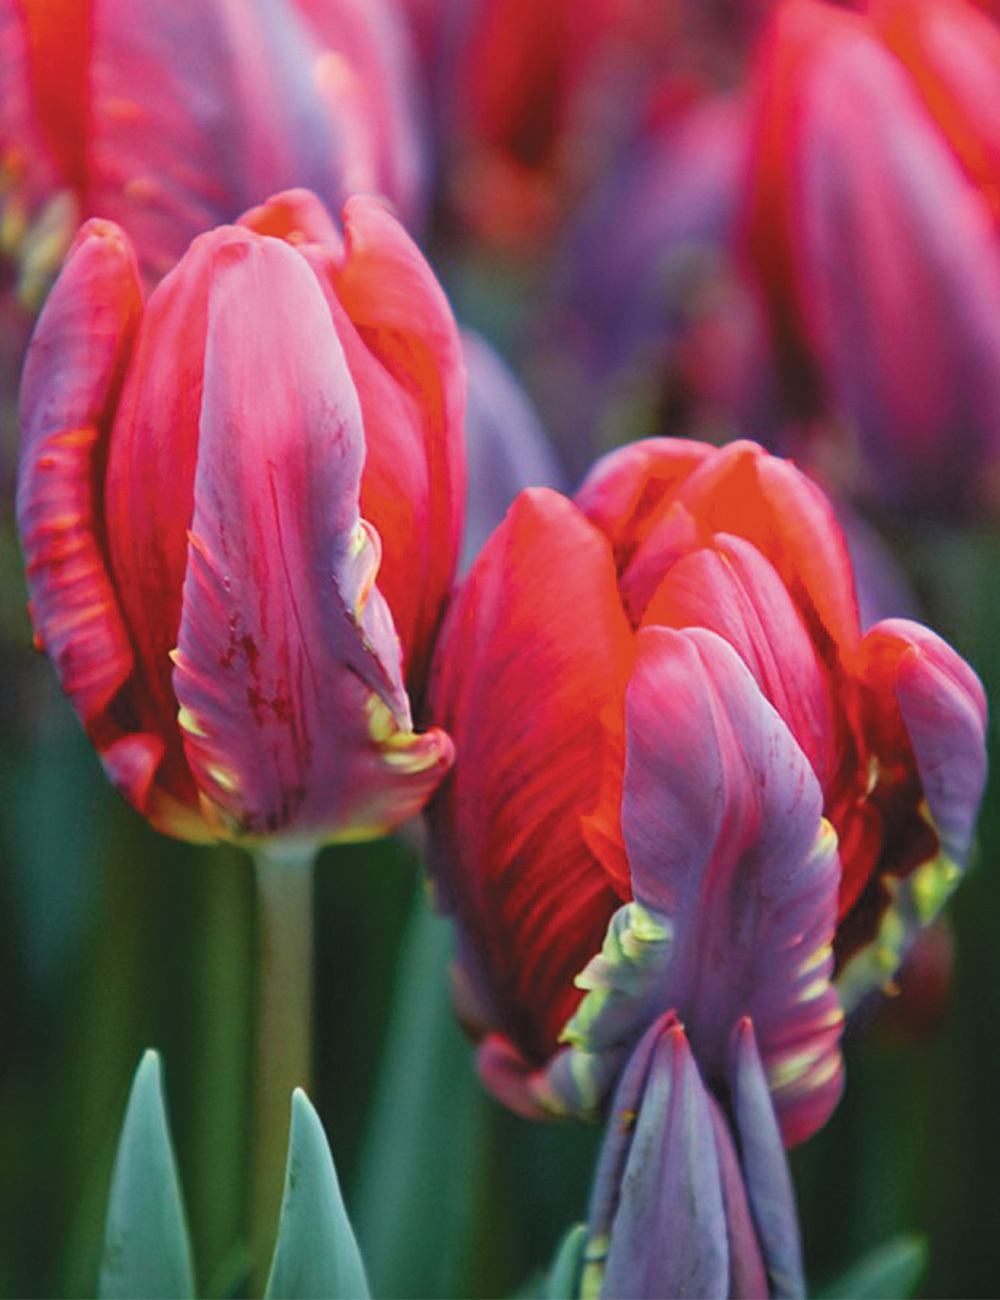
(890, 1272)
(147, 1252)
(316, 1255)
(567, 1267)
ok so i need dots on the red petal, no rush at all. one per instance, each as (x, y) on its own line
(731, 589)
(72, 379)
(401, 313)
(535, 646)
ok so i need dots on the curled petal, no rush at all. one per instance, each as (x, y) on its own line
(287, 667)
(926, 709)
(624, 491)
(722, 817)
(72, 379)
(521, 691)
(400, 312)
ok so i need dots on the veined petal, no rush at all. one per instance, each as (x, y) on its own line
(535, 644)
(657, 1222)
(766, 500)
(722, 817)
(730, 588)
(287, 668)
(401, 313)
(72, 379)
(765, 1166)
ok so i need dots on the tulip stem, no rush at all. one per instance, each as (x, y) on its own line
(284, 1029)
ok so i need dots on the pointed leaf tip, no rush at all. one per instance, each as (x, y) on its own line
(889, 1272)
(566, 1277)
(147, 1251)
(316, 1254)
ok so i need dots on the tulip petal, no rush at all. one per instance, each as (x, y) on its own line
(521, 691)
(926, 707)
(657, 1223)
(72, 378)
(731, 589)
(896, 265)
(722, 817)
(287, 666)
(624, 490)
(766, 500)
(393, 299)
(765, 1167)
(952, 52)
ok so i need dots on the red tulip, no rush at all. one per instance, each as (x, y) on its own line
(172, 117)
(674, 739)
(240, 507)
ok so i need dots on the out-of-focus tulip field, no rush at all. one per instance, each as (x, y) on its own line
(500, 638)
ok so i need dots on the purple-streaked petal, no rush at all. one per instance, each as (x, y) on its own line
(722, 818)
(765, 1167)
(924, 706)
(506, 448)
(658, 1219)
(72, 379)
(287, 668)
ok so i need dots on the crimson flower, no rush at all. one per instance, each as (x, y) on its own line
(240, 506)
(687, 783)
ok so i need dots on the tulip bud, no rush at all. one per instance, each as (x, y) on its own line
(240, 506)
(870, 228)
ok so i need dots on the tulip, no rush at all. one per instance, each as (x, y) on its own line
(171, 118)
(688, 782)
(240, 506)
(870, 228)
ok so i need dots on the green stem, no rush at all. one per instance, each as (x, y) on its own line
(284, 1029)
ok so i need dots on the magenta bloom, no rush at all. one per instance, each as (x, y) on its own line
(240, 507)
(871, 230)
(172, 117)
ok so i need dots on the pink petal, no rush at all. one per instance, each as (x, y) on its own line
(287, 667)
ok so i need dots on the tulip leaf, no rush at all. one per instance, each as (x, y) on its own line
(147, 1251)
(316, 1254)
(890, 1272)
(427, 1136)
(567, 1268)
